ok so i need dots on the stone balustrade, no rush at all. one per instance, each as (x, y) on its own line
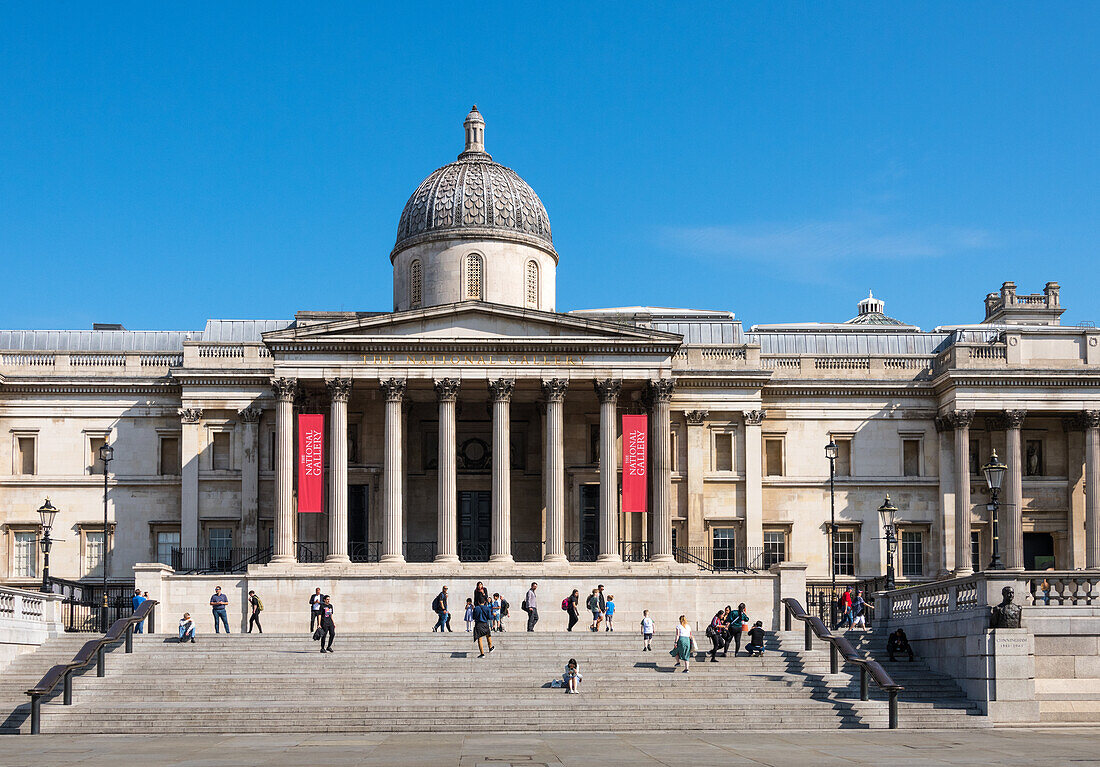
(27, 619)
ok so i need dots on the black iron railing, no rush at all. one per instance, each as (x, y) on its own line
(582, 551)
(218, 559)
(369, 551)
(419, 551)
(823, 602)
(473, 551)
(634, 551)
(82, 603)
(721, 559)
(311, 552)
(527, 551)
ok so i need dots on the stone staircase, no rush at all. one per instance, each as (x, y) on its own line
(436, 683)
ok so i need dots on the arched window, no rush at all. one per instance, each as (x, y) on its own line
(415, 284)
(474, 276)
(531, 293)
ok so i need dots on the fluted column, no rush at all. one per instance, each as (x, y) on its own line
(960, 420)
(394, 391)
(285, 389)
(608, 391)
(754, 487)
(446, 548)
(1091, 422)
(250, 475)
(339, 390)
(945, 517)
(1011, 511)
(190, 451)
(554, 468)
(660, 393)
(500, 395)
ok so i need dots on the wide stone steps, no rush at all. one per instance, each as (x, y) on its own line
(435, 683)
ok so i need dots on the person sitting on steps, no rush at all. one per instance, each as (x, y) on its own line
(899, 643)
(572, 677)
(187, 629)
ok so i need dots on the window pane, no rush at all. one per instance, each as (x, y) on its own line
(169, 456)
(775, 547)
(25, 459)
(723, 452)
(221, 544)
(724, 547)
(910, 452)
(532, 287)
(912, 554)
(976, 550)
(26, 555)
(165, 543)
(773, 457)
(93, 553)
(415, 283)
(843, 457)
(844, 553)
(221, 450)
(976, 462)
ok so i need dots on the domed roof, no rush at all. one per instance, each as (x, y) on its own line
(474, 197)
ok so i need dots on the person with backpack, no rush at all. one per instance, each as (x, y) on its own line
(593, 606)
(530, 606)
(569, 604)
(439, 606)
(738, 623)
(504, 612)
(255, 608)
(714, 634)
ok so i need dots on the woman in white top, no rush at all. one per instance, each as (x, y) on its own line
(682, 650)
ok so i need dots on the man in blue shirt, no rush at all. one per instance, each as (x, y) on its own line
(219, 603)
(136, 600)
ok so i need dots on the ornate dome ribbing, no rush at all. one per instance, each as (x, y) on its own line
(475, 197)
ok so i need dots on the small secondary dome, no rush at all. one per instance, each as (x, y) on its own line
(474, 198)
(871, 312)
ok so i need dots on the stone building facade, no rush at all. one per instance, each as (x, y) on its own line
(476, 423)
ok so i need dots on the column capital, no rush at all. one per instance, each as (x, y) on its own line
(607, 389)
(553, 389)
(1014, 419)
(250, 415)
(394, 389)
(284, 388)
(754, 417)
(339, 389)
(1090, 419)
(960, 419)
(500, 390)
(446, 389)
(696, 417)
(942, 423)
(191, 414)
(660, 389)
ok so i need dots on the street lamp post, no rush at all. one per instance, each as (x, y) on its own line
(994, 475)
(106, 455)
(888, 512)
(831, 453)
(46, 514)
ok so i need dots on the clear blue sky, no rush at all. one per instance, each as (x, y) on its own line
(235, 160)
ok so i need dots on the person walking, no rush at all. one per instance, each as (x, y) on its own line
(495, 604)
(505, 611)
(469, 615)
(439, 605)
(592, 604)
(846, 608)
(738, 622)
(571, 605)
(187, 629)
(136, 601)
(255, 608)
(483, 618)
(315, 601)
(684, 641)
(859, 612)
(572, 677)
(601, 602)
(647, 631)
(219, 603)
(609, 611)
(714, 634)
(530, 606)
(328, 626)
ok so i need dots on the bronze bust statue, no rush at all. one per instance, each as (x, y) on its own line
(1006, 615)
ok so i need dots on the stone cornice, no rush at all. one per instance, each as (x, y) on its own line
(91, 387)
(836, 389)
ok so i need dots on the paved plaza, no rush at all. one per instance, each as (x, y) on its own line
(1047, 747)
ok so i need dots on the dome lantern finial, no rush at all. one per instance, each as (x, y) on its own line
(475, 135)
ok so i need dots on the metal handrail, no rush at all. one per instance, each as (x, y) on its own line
(123, 628)
(841, 646)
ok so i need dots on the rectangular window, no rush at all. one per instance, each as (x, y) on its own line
(24, 455)
(773, 457)
(775, 547)
(976, 461)
(169, 457)
(220, 451)
(723, 451)
(271, 453)
(26, 555)
(221, 545)
(95, 463)
(912, 553)
(843, 457)
(166, 542)
(1033, 458)
(910, 457)
(976, 550)
(844, 552)
(724, 551)
(673, 443)
(94, 551)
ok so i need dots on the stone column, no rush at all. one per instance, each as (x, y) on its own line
(500, 395)
(285, 389)
(660, 393)
(608, 391)
(945, 519)
(554, 468)
(446, 547)
(339, 390)
(250, 475)
(697, 462)
(960, 420)
(392, 537)
(1091, 419)
(190, 453)
(1011, 512)
(754, 494)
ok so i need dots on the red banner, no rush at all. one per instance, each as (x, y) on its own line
(311, 455)
(634, 462)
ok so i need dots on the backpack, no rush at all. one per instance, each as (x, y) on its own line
(565, 604)
(590, 602)
(503, 606)
(259, 605)
(437, 605)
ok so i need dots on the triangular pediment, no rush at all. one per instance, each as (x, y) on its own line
(469, 321)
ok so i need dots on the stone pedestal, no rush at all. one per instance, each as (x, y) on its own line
(1006, 667)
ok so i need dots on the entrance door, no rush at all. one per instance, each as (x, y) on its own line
(590, 523)
(475, 525)
(1038, 551)
(359, 548)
